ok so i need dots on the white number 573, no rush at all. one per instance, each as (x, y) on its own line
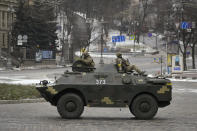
(100, 82)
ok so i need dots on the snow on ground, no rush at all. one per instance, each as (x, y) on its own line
(22, 80)
(1, 69)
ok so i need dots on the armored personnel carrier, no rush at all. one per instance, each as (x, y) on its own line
(106, 87)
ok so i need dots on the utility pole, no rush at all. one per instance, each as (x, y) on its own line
(156, 41)
(161, 59)
(102, 40)
(101, 59)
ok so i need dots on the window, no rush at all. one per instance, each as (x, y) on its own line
(3, 40)
(8, 20)
(3, 19)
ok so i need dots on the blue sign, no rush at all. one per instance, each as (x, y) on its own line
(157, 60)
(150, 35)
(113, 39)
(47, 54)
(118, 39)
(190, 25)
(105, 49)
(184, 25)
(177, 68)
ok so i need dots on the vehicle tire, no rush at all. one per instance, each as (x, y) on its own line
(70, 106)
(144, 107)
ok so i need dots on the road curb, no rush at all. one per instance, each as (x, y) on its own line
(22, 101)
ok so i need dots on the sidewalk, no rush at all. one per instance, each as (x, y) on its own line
(40, 67)
(37, 67)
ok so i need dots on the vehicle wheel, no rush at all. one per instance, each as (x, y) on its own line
(144, 107)
(70, 106)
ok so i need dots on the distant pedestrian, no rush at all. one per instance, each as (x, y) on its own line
(20, 59)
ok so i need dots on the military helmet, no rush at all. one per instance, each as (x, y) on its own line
(83, 50)
(118, 54)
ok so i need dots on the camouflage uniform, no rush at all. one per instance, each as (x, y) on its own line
(124, 66)
(87, 59)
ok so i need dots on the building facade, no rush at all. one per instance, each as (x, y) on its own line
(6, 21)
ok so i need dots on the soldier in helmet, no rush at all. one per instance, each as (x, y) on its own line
(124, 65)
(87, 59)
(84, 64)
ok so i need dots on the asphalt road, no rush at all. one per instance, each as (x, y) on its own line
(181, 115)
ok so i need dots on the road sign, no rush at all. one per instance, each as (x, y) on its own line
(132, 37)
(122, 38)
(25, 41)
(157, 60)
(19, 42)
(105, 49)
(150, 34)
(184, 25)
(20, 37)
(25, 37)
(113, 39)
(189, 25)
(118, 39)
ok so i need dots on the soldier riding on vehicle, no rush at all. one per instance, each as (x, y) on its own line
(124, 65)
(84, 64)
(87, 59)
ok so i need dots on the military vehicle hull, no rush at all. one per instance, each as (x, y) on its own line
(108, 89)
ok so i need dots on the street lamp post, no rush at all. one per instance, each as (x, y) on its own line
(102, 40)
(178, 8)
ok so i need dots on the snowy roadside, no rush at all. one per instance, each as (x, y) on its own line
(2, 69)
(22, 81)
(33, 67)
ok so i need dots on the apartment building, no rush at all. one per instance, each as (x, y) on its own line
(6, 21)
